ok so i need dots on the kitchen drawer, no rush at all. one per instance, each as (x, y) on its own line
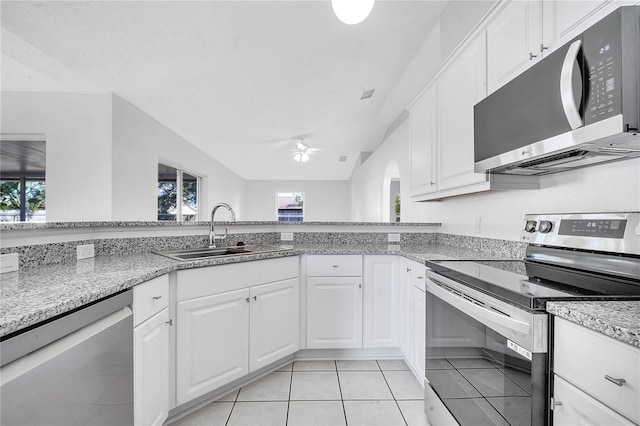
(150, 298)
(578, 408)
(418, 273)
(334, 265)
(584, 357)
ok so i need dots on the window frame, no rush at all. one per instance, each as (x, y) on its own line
(179, 193)
(278, 216)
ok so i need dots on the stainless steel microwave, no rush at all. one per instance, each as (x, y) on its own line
(577, 107)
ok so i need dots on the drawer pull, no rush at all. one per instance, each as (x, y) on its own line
(157, 297)
(613, 380)
(335, 266)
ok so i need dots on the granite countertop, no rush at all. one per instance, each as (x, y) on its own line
(617, 319)
(32, 295)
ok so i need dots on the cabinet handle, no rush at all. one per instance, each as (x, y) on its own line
(359, 285)
(255, 298)
(170, 322)
(157, 297)
(408, 269)
(555, 403)
(421, 278)
(247, 299)
(543, 47)
(531, 56)
(618, 382)
(432, 183)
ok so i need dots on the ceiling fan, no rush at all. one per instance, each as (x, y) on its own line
(302, 151)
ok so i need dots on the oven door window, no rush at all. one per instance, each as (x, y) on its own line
(474, 373)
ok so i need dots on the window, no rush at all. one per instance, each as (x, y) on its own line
(22, 181)
(174, 184)
(290, 206)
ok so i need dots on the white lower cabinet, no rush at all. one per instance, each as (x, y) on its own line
(334, 312)
(274, 319)
(419, 328)
(590, 366)
(151, 351)
(352, 311)
(380, 311)
(405, 304)
(578, 408)
(151, 371)
(223, 336)
(212, 342)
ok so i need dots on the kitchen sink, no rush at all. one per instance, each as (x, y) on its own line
(206, 252)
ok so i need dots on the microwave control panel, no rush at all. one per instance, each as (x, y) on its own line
(603, 69)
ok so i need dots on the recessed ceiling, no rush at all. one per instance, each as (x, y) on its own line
(232, 77)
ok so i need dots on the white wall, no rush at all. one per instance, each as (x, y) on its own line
(140, 142)
(324, 201)
(607, 187)
(77, 129)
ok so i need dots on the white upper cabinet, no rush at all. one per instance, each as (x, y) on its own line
(423, 116)
(525, 31)
(513, 41)
(460, 87)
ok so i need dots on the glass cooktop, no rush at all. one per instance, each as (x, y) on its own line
(531, 285)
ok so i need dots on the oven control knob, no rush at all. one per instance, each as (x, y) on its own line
(545, 226)
(530, 226)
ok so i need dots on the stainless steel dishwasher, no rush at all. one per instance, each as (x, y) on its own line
(76, 369)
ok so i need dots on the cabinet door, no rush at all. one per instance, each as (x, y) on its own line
(419, 330)
(274, 320)
(423, 117)
(212, 342)
(563, 20)
(334, 312)
(151, 370)
(405, 316)
(513, 41)
(380, 311)
(578, 408)
(460, 87)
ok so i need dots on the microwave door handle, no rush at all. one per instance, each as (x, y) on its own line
(569, 103)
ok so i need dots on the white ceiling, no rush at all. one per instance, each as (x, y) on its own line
(237, 78)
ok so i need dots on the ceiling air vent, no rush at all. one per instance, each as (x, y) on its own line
(367, 94)
(342, 158)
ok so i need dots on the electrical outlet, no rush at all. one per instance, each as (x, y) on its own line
(85, 251)
(477, 222)
(8, 262)
(286, 236)
(393, 238)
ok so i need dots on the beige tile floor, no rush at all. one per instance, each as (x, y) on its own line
(310, 393)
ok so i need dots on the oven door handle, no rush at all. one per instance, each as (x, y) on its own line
(489, 318)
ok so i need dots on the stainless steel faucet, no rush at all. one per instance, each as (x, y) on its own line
(212, 233)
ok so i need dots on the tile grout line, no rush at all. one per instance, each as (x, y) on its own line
(393, 395)
(344, 410)
(232, 407)
(286, 422)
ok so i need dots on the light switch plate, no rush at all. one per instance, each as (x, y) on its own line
(286, 236)
(8, 262)
(393, 238)
(85, 251)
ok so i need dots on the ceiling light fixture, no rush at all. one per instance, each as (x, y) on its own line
(352, 12)
(301, 153)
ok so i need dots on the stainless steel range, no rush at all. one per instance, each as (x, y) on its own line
(487, 340)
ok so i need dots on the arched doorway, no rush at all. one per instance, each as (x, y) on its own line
(391, 193)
